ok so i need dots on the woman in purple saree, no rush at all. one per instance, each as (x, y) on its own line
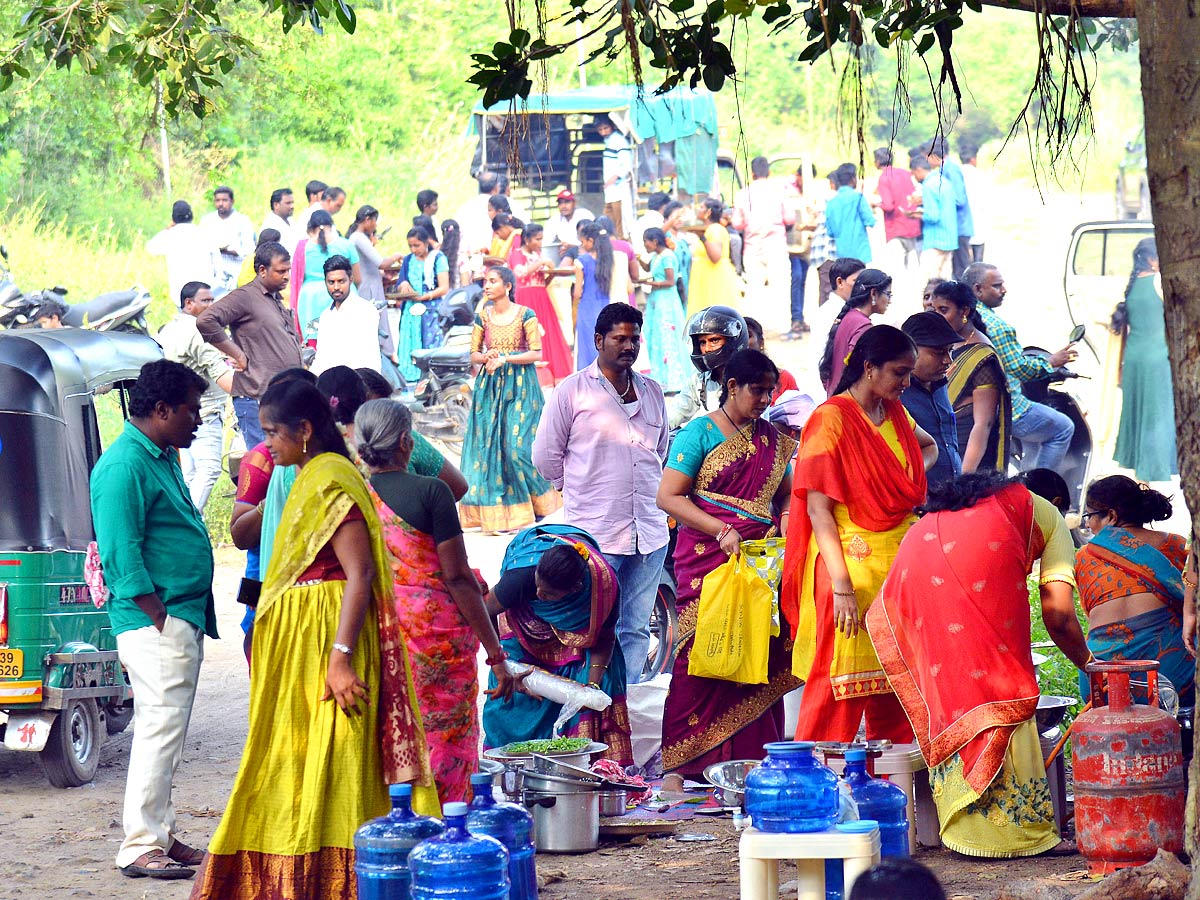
(727, 480)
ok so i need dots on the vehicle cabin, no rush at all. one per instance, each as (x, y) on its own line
(547, 142)
(61, 684)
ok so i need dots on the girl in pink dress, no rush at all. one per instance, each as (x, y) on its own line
(532, 271)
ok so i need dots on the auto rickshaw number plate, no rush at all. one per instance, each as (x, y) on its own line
(12, 663)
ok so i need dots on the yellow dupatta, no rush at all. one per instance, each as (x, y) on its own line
(324, 492)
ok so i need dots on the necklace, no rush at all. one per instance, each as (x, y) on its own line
(877, 416)
(731, 422)
(628, 388)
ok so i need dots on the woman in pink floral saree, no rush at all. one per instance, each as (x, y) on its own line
(438, 597)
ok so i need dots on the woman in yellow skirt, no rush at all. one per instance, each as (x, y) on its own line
(333, 713)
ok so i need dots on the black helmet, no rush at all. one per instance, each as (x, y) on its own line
(717, 320)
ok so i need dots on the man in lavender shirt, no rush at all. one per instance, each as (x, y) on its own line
(602, 441)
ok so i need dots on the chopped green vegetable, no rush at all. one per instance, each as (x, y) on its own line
(555, 745)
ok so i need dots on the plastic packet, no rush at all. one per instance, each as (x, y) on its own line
(571, 694)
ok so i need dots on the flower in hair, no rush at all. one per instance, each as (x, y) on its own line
(333, 402)
(582, 551)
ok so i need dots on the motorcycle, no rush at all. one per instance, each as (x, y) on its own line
(1050, 390)
(441, 400)
(114, 311)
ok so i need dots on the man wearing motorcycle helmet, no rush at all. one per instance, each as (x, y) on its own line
(716, 333)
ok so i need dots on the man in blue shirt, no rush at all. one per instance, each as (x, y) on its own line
(939, 231)
(926, 398)
(953, 174)
(848, 215)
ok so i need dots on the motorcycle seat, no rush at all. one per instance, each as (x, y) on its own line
(98, 308)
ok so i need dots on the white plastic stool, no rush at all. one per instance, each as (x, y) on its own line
(759, 853)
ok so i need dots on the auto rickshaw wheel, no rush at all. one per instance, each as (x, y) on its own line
(72, 752)
(117, 716)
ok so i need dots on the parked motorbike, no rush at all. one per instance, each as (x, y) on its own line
(115, 311)
(441, 400)
(1052, 391)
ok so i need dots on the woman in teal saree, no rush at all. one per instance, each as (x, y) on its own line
(1131, 581)
(557, 602)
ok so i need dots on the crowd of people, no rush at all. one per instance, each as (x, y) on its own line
(887, 510)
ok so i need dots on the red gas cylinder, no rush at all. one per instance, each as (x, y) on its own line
(1129, 779)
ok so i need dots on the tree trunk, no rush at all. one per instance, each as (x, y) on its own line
(1169, 35)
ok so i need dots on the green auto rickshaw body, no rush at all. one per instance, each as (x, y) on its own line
(58, 657)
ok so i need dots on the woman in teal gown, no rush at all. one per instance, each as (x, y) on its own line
(1146, 438)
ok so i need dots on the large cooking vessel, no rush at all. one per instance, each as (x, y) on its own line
(566, 812)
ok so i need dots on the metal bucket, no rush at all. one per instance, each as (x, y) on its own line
(566, 813)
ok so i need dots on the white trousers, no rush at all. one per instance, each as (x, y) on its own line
(163, 670)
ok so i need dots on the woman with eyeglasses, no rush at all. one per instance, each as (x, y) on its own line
(871, 295)
(1131, 581)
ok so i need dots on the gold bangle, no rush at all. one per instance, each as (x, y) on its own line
(1189, 582)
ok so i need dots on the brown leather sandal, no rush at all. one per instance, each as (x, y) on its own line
(182, 853)
(156, 864)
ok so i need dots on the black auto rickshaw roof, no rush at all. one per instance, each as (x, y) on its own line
(49, 439)
(39, 367)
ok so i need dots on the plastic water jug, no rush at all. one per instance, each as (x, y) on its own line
(382, 847)
(512, 826)
(879, 800)
(835, 876)
(791, 792)
(458, 865)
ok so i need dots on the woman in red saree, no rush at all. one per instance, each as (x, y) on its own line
(951, 626)
(438, 600)
(726, 480)
(533, 271)
(860, 474)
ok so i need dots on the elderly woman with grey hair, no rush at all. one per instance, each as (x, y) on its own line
(439, 599)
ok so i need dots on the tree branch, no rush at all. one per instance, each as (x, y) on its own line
(1117, 9)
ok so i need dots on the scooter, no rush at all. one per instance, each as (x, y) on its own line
(441, 400)
(1051, 390)
(115, 311)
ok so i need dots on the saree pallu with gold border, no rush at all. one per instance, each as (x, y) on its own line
(706, 720)
(310, 774)
(951, 627)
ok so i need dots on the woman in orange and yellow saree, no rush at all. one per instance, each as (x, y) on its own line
(859, 476)
(951, 626)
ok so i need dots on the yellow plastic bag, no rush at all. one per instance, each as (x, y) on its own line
(733, 625)
(765, 556)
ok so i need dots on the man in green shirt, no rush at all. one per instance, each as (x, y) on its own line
(158, 565)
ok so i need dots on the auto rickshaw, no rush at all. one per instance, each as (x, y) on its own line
(61, 684)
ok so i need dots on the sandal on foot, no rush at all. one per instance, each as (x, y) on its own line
(182, 853)
(156, 864)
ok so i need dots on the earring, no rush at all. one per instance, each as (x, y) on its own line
(304, 449)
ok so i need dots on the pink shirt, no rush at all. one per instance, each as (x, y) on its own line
(607, 458)
(896, 186)
(762, 213)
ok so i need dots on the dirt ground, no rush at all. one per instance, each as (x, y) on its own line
(61, 843)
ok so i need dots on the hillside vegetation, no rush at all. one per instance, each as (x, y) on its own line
(383, 113)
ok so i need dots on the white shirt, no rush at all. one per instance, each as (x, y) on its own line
(348, 335)
(300, 226)
(564, 230)
(703, 395)
(475, 224)
(651, 219)
(618, 162)
(191, 256)
(235, 233)
(979, 190)
(287, 233)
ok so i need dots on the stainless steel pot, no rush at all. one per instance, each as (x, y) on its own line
(566, 813)
(612, 803)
